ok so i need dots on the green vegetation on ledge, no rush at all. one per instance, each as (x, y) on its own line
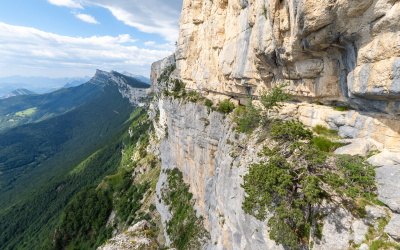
(185, 229)
(293, 178)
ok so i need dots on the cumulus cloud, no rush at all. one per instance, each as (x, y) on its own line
(66, 3)
(23, 47)
(167, 46)
(150, 16)
(86, 18)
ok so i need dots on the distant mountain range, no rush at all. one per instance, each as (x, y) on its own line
(37, 84)
(18, 92)
(138, 77)
(41, 85)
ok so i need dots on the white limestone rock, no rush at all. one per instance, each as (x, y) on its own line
(393, 228)
(388, 186)
(360, 147)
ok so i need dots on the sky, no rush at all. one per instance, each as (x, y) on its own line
(73, 38)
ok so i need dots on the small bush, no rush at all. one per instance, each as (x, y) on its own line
(208, 103)
(248, 118)
(178, 86)
(152, 207)
(272, 99)
(226, 106)
(290, 131)
(194, 96)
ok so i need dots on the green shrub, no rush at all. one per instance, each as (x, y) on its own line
(152, 207)
(272, 99)
(290, 131)
(249, 117)
(226, 106)
(208, 103)
(178, 85)
(289, 184)
(194, 96)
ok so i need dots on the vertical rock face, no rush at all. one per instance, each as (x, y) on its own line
(209, 152)
(332, 51)
(335, 52)
(158, 67)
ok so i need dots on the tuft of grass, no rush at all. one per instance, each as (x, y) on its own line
(341, 108)
(372, 153)
(321, 130)
(325, 145)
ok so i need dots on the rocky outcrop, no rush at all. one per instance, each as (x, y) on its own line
(138, 236)
(136, 96)
(157, 68)
(352, 124)
(336, 52)
(387, 179)
(393, 228)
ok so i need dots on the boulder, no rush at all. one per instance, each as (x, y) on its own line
(364, 247)
(393, 228)
(360, 147)
(388, 186)
(360, 229)
(385, 158)
(374, 213)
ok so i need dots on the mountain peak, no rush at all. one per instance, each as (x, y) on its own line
(18, 92)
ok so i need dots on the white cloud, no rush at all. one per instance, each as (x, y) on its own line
(150, 16)
(87, 18)
(166, 46)
(66, 3)
(28, 48)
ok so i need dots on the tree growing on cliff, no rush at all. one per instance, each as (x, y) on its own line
(251, 117)
(295, 177)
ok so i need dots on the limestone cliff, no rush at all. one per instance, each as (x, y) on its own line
(339, 53)
(213, 158)
(335, 52)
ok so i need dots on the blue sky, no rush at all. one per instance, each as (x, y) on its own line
(65, 38)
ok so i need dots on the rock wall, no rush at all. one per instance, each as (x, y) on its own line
(353, 124)
(336, 52)
(158, 67)
(203, 145)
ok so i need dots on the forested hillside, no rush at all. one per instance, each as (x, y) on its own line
(44, 164)
(24, 109)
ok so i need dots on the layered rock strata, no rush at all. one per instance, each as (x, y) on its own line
(337, 52)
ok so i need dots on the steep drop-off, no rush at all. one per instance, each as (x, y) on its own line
(44, 164)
